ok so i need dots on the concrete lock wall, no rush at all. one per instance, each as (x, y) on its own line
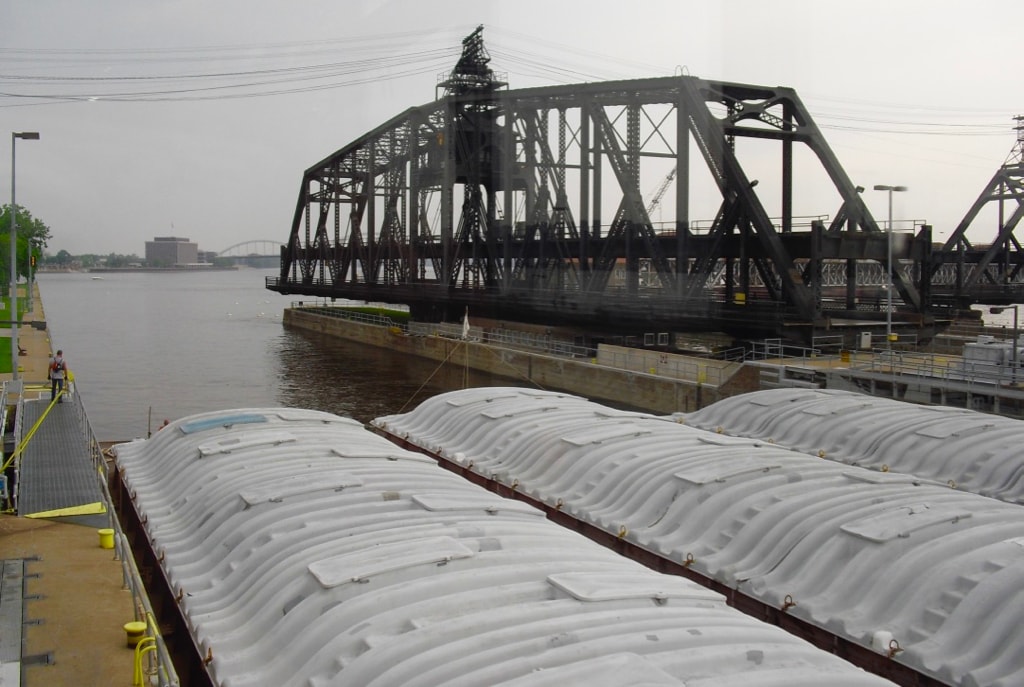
(642, 383)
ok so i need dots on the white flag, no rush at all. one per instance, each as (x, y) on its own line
(465, 325)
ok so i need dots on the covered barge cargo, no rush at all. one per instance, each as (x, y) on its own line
(907, 577)
(965, 449)
(300, 548)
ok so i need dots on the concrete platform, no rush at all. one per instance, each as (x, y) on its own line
(74, 605)
(62, 593)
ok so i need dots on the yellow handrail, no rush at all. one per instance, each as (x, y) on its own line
(140, 651)
(28, 437)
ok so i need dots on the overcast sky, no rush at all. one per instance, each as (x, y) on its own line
(139, 139)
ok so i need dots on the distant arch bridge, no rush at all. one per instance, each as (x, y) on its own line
(258, 248)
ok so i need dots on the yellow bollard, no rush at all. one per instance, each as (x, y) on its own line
(134, 632)
(106, 538)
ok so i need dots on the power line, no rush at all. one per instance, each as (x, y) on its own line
(446, 37)
(269, 69)
(339, 75)
(977, 130)
(332, 69)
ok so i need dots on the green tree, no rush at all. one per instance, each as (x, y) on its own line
(118, 260)
(31, 231)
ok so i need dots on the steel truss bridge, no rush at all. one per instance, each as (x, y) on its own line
(526, 205)
(254, 248)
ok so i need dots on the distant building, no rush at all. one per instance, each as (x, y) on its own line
(171, 251)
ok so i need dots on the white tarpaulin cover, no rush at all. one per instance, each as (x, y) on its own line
(972, 451)
(308, 551)
(878, 558)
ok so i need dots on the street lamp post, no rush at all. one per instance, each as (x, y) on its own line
(889, 338)
(29, 307)
(28, 136)
(1016, 354)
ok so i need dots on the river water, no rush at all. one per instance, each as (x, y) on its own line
(152, 346)
(146, 347)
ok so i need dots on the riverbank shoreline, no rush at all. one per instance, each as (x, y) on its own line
(642, 381)
(163, 270)
(662, 382)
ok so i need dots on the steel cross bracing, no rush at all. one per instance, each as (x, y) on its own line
(526, 204)
(992, 273)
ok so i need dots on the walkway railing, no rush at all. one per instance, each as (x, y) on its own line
(534, 342)
(942, 367)
(160, 665)
(699, 371)
(345, 314)
(772, 349)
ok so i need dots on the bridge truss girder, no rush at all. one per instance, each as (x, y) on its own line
(499, 200)
(992, 273)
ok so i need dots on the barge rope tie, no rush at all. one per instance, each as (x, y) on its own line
(427, 380)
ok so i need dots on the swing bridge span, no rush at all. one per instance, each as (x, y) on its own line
(527, 205)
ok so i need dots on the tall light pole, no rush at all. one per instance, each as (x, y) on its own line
(889, 338)
(1016, 355)
(28, 136)
(29, 307)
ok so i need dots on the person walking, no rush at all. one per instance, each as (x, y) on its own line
(58, 371)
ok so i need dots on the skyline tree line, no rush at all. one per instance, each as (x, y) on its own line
(33, 231)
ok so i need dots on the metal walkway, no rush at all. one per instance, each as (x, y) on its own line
(12, 601)
(59, 475)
